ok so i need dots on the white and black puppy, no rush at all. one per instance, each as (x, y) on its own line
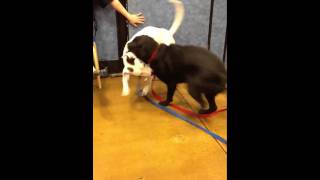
(202, 70)
(133, 65)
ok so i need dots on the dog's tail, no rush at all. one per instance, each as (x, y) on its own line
(179, 14)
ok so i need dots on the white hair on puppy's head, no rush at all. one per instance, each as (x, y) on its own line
(135, 66)
(138, 63)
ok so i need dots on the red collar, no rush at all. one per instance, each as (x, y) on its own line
(153, 55)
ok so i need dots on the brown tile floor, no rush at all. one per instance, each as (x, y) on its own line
(134, 140)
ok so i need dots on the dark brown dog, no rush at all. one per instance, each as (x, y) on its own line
(202, 70)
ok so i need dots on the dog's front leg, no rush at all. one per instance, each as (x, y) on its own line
(171, 87)
(125, 84)
(147, 87)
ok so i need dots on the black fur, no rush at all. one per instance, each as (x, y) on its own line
(203, 72)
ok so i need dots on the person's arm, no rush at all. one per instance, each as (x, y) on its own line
(134, 19)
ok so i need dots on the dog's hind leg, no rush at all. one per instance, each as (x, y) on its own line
(211, 101)
(196, 94)
(210, 95)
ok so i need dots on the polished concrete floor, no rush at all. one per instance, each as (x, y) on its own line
(134, 140)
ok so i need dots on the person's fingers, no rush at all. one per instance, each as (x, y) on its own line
(140, 20)
(133, 24)
(139, 17)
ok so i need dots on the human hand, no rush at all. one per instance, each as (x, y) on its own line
(136, 19)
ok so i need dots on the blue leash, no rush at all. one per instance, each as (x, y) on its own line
(187, 120)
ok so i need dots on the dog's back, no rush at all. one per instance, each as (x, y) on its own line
(160, 35)
(191, 64)
(202, 70)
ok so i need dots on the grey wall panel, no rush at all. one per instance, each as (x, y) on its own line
(160, 13)
(106, 39)
(226, 57)
(195, 27)
(219, 24)
(157, 13)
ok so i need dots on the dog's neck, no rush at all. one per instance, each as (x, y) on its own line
(153, 54)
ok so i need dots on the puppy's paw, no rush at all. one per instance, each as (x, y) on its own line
(125, 92)
(139, 92)
(145, 91)
(164, 103)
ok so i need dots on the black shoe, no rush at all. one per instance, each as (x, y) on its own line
(104, 72)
